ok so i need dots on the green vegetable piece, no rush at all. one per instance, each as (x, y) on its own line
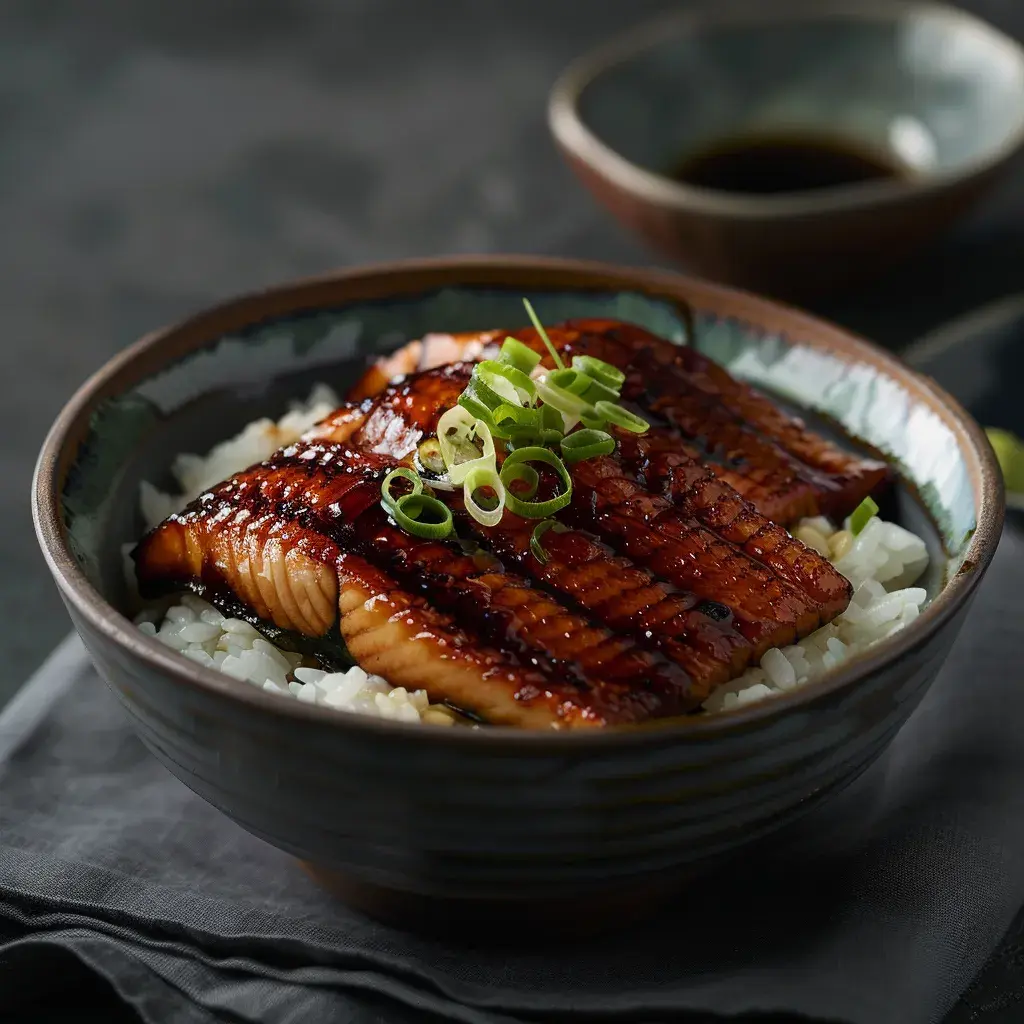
(1009, 451)
(862, 515)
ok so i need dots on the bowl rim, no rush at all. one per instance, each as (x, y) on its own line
(419, 276)
(649, 186)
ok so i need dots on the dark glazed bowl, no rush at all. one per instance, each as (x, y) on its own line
(402, 818)
(931, 88)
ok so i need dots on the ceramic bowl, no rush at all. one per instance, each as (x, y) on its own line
(932, 89)
(407, 819)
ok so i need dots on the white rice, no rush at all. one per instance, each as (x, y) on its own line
(883, 562)
(196, 474)
(198, 631)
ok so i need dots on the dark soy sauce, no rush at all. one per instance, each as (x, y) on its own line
(769, 165)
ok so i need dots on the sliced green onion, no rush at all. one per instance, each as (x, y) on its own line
(544, 335)
(564, 401)
(536, 509)
(430, 456)
(1010, 455)
(592, 421)
(604, 373)
(523, 437)
(538, 532)
(862, 515)
(621, 417)
(521, 472)
(551, 418)
(474, 406)
(387, 498)
(527, 437)
(470, 401)
(489, 397)
(457, 432)
(597, 392)
(570, 380)
(490, 372)
(510, 417)
(484, 476)
(586, 444)
(515, 353)
(409, 511)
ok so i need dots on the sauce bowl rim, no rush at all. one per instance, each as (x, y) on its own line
(650, 186)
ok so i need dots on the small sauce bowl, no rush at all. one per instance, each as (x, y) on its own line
(930, 89)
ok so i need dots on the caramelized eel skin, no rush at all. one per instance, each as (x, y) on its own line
(279, 537)
(696, 409)
(773, 592)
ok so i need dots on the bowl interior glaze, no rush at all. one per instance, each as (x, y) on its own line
(937, 89)
(208, 393)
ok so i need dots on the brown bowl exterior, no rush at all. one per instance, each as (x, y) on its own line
(405, 816)
(791, 245)
(800, 256)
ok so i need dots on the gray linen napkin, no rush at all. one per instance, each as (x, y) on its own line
(879, 908)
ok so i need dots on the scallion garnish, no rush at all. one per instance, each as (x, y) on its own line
(430, 458)
(558, 398)
(516, 417)
(491, 397)
(598, 392)
(535, 417)
(458, 433)
(586, 444)
(597, 369)
(862, 515)
(387, 498)
(492, 372)
(1009, 451)
(478, 410)
(551, 418)
(621, 417)
(569, 380)
(538, 532)
(516, 354)
(526, 437)
(522, 473)
(480, 477)
(535, 509)
(421, 515)
(544, 335)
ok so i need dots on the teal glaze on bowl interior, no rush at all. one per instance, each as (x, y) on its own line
(937, 88)
(868, 406)
(400, 813)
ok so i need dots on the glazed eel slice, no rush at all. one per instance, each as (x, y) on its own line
(699, 636)
(696, 407)
(270, 536)
(764, 607)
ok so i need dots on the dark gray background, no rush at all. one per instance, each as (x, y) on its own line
(157, 156)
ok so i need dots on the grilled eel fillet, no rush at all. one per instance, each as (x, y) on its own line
(697, 410)
(662, 597)
(302, 542)
(665, 567)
